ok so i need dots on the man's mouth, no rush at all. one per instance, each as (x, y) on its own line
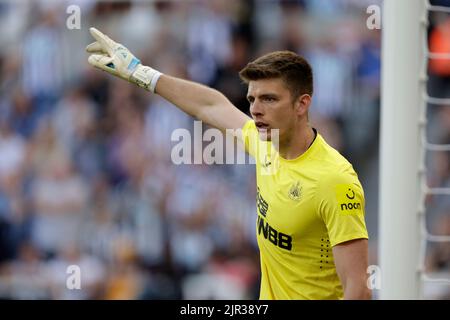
(262, 126)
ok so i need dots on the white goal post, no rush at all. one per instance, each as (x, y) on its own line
(401, 194)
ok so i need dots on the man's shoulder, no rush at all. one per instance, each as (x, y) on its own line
(330, 159)
(334, 167)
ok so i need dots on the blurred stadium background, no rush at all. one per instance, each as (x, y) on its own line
(85, 170)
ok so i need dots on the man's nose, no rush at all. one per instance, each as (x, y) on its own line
(256, 109)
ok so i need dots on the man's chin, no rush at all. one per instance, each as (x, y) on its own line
(264, 135)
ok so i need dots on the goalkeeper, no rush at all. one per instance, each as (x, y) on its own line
(310, 223)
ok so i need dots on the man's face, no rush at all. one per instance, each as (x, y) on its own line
(271, 107)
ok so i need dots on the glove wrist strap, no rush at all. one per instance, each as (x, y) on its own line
(145, 77)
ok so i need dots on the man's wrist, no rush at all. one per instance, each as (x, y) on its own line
(145, 77)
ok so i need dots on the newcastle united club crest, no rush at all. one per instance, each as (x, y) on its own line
(295, 191)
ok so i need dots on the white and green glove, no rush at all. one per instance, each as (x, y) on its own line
(114, 58)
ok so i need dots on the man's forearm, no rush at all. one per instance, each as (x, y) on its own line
(202, 102)
(189, 96)
(357, 291)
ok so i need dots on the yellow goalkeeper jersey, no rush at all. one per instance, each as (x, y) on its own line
(305, 207)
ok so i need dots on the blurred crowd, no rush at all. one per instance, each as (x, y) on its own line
(86, 176)
(438, 162)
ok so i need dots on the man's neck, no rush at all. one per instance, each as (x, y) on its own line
(298, 143)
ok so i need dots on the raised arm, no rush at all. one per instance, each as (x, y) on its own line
(202, 102)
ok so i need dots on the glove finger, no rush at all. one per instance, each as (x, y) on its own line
(102, 62)
(105, 42)
(95, 47)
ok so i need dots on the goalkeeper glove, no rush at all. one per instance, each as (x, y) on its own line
(114, 58)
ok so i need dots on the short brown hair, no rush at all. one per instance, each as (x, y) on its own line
(295, 71)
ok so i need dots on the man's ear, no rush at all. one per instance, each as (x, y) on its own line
(302, 104)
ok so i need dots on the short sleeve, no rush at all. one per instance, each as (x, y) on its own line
(341, 206)
(250, 137)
